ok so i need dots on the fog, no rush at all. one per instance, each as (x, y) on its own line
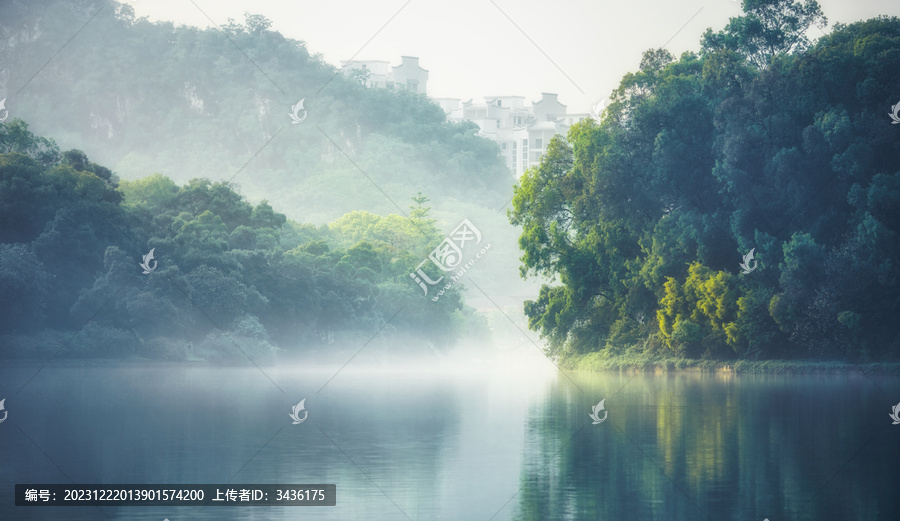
(472, 260)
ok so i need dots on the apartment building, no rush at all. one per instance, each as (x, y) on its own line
(409, 75)
(522, 131)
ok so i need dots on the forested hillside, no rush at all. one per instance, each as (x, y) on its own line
(229, 279)
(758, 143)
(142, 97)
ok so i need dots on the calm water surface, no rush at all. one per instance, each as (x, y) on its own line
(467, 443)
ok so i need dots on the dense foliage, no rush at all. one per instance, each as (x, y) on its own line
(143, 97)
(759, 142)
(229, 277)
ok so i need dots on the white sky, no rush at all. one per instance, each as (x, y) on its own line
(473, 48)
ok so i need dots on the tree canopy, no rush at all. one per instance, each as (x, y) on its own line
(761, 142)
(227, 277)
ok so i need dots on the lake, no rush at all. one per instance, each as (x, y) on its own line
(462, 442)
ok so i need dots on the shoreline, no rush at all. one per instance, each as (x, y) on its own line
(595, 362)
(591, 362)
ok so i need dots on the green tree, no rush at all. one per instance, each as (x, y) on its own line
(703, 159)
(768, 29)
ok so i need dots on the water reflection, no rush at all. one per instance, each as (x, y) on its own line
(462, 443)
(717, 447)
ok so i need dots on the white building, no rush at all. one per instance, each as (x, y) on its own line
(451, 106)
(410, 76)
(522, 132)
(406, 76)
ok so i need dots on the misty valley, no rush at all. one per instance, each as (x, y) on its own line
(240, 280)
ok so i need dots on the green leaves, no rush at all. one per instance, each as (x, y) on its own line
(231, 277)
(768, 29)
(759, 143)
(705, 305)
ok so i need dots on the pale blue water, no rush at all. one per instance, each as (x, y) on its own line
(463, 444)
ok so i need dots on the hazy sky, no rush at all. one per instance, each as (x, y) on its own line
(472, 48)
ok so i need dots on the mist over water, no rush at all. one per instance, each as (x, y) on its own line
(227, 258)
(413, 430)
(465, 439)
